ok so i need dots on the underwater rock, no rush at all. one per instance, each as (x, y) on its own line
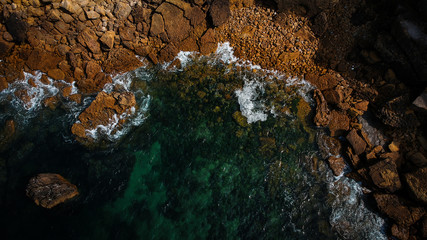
(50, 189)
(384, 174)
(417, 182)
(322, 116)
(108, 110)
(337, 164)
(240, 119)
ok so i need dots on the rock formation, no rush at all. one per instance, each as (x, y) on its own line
(50, 189)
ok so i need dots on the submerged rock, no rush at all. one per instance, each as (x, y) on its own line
(108, 111)
(50, 189)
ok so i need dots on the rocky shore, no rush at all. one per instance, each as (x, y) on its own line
(367, 60)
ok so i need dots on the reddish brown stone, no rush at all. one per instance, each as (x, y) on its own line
(100, 112)
(121, 60)
(327, 81)
(92, 68)
(5, 47)
(356, 142)
(89, 39)
(49, 189)
(39, 59)
(362, 106)
(384, 175)
(395, 208)
(3, 83)
(56, 74)
(90, 86)
(417, 182)
(168, 53)
(333, 96)
(322, 116)
(51, 102)
(337, 164)
(400, 232)
(219, 12)
(339, 123)
(208, 43)
(177, 26)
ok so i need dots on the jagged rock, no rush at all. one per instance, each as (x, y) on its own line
(39, 59)
(333, 96)
(196, 16)
(127, 33)
(354, 159)
(208, 42)
(92, 15)
(328, 146)
(394, 113)
(102, 111)
(3, 83)
(219, 12)
(327, 81)
(62, 27)
(157, 26)
(5, 48)
(362, 106)
(417, 182)
(95, 84)
(50, 189)
(71, 6)
(400, 232)
(122, 10)
(322, 116)
(393, 146)
(384, 175)
(108, 39)
(356, 142)
(337, 164)
(92, 68)
(168, 53)
(395, 208)
(17, 27)
(56, 74)
(339, 123)
(51, 102)
(89, 39)
(121, 60)
(177, 26)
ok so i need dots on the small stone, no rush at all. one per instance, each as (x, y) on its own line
(394, 147)
(362, 106)
(92, 15)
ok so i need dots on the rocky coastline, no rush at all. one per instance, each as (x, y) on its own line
(368, 62)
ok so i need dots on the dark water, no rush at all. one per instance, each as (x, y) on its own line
(194, 169)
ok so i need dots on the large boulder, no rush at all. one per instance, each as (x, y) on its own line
(121, 60)
(17, 27)
(219, 12)
(417, 182)
(384, 175)
(50, 189)
(395, 208)
(40, 59)
(176, 25)
(108, 110)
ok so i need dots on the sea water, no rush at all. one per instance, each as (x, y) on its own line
(217, 148)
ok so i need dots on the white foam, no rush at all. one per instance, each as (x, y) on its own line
(251, 106)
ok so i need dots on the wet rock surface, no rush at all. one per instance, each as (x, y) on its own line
(49, 189)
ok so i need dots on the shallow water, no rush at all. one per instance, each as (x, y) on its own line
(216, 150)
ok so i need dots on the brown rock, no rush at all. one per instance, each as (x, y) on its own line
(396, 209)
(89, 39)
(121, 60)
(92, 68)
(384, 175)
(3, 84)
(49, 189)
(333, 96)
(77, 98)
(219, 12)
(17, 27)
(400, 232)
(322, 116)
(339, 123)
(337, 164)
(39, 59)
(424, 227)
(122, 10)
(417, 158)
(168, 53)
(328, 146)
(354, 159)
(56, 74)
(189, 44)
(362, 106)
(208, 42)
(90, 86)
(108, 39)
(196, 16)
(62, 27)
(417, 182)
(101, 112)
(356, 142)
(5, 47)
(51, 102)
(327, 81)
(157, 25)
(176, 25)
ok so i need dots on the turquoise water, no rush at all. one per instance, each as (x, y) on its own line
(224, 152)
